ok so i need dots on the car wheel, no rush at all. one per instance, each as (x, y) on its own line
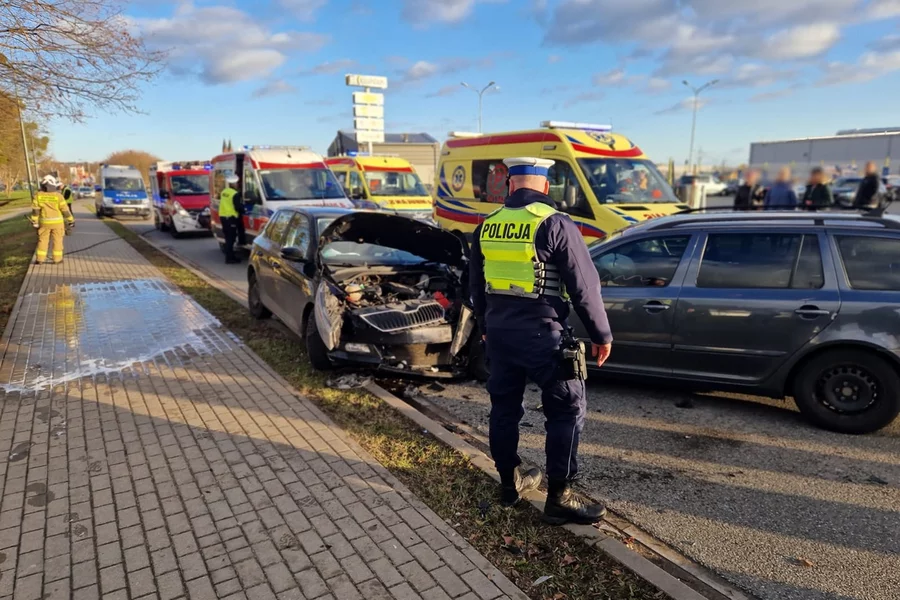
(848, 391)
(258, 310)
(315, 347)
(478, 365)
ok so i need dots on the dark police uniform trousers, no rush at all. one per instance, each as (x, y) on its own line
(231, 227)
(515, 356)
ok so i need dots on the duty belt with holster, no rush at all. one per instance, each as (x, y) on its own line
(572, 357)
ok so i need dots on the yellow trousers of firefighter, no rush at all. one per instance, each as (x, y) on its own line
(51, 233)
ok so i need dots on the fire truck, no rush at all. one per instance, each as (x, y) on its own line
(180, 191)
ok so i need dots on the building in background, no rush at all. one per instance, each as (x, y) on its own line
(420, 149)
(843, 153)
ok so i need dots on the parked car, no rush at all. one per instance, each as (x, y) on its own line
(775, 304)
(366, 288)
(844, 190)
(713, 186)
(85, 192)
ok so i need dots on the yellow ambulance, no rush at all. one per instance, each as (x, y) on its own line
(600, 178)
(388, 181)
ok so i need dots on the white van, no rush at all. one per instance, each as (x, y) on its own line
(121, 192)
(272, 177)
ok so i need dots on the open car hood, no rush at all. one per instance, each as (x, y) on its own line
(400, 233)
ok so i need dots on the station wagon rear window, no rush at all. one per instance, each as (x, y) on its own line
(871, 263)
(761, 261)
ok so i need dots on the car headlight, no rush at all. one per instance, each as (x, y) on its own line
(206, 211)
(107, 200)
(180, 209)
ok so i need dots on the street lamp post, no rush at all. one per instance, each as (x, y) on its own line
(696, 91)
(480, 94)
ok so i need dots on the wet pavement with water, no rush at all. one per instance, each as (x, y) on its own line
(145, 453)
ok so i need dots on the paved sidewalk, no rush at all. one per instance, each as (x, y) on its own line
(146, 453)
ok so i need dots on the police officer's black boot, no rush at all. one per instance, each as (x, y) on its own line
(565, 505)
(520, 481)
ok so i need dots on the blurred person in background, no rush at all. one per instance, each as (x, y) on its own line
(817, 195)
(782, 196)
(867, 195)
(750, 194)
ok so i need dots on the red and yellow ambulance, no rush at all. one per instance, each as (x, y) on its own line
(388, 181)
(600, 178)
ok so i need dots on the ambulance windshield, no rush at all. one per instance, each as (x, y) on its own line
(625, 181)
(300, 184)
(395, 183)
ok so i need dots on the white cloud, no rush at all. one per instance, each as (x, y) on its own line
(423, 12)
(883, 9)
(684, 105)
(423, 69)
(447, 90)
(304, 10)
(712, 37)
(330, 67)
(554, 58)
(870, 65)
(803, 41)
(583, 98)
(274, 88)
(221, 44)
(887, 43)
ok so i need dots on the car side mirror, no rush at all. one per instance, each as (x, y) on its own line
(293, 254)
(357, 194)
(571, 196)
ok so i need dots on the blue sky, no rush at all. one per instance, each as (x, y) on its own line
(271, 71)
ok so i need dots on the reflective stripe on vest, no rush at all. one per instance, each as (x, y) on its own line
(49, 205)
(226, 203)
(511, 266)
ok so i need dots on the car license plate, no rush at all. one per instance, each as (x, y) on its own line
(128, 209)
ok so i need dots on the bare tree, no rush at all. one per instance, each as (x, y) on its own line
(136, 158)
(12, 153)
(66, 57)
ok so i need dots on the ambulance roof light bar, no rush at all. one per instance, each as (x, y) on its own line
(574, 125)
(256, 147)
(464, 134)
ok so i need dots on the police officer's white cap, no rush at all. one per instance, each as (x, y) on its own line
(232, 179)
(527, 165)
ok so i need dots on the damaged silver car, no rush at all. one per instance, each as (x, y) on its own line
(368, 288)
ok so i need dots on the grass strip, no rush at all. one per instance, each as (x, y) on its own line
(515, 540)
(14, 201)
(17, 243)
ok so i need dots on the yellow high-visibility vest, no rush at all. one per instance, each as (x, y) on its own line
(226, 203)
(511, 266)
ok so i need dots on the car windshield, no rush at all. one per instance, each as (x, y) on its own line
(356, 254)
(85, 189)
(625, 181)
(395, 183)
(848, 181)
(190, 185)
(300, 184)
(123, 184)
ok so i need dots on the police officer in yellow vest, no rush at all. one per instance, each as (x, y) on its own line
(529, 261)
(230, 215)
(67, 196)
(51, 216)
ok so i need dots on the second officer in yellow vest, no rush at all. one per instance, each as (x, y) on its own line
(529, 261)
(51, 217)
(230, 215)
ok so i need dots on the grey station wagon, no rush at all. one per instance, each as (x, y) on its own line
(775, 304)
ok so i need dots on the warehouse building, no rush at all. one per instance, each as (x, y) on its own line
(847, 151)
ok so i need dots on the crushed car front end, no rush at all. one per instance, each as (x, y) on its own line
(392, 296)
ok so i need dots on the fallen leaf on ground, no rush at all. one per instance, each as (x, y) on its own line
(568, 559)
(803, 562)
(541, 580)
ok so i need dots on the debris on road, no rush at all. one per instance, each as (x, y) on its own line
(348, 382)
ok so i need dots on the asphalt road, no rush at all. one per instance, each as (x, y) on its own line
(738, 483)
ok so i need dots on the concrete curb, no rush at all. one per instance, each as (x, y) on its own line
(641, 566)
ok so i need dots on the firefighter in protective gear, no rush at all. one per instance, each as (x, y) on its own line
(230, 215)
(528, 261)
(51, 216)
